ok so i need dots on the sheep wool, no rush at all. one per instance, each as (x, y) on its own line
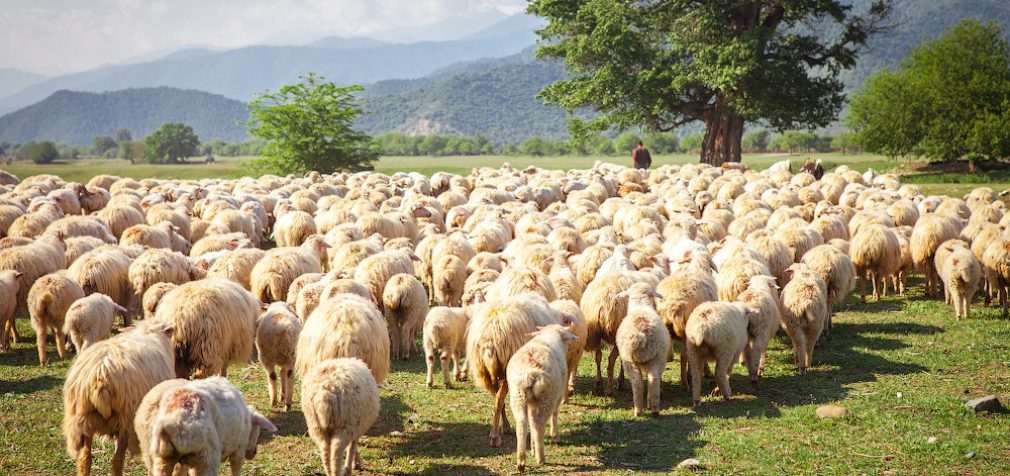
(277, 331)
(644, 344)
(405, 303)
(89, 320)
(48, 300)
(345, 325)
(444, 338)
(804, 312)
(340, 401)
(715, 331)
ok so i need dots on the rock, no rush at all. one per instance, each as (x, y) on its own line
(931, 440)
(690, 464)
(987, 403)
(831, 411)
(969, 455)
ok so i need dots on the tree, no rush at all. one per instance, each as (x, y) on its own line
(123, 135)
(40, 152)
(662, 142)
(949, 99)
(626, 142)
(104, 144)
(692, 142)
(308, 126)
(661, 64)
(171, 143)
(756, 141)
(845, 142)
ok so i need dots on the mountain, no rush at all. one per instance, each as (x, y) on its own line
(346, 43)
(77, 117)
(14, 80)
(244, 72)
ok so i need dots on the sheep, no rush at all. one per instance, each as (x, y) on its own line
(346, 325)
(960, 273)
(536, 378)
(41, 257)
(374, 271)
(196, 425)
(405, 303)
(106, 270)
(497, 330)
(996, 259)
(89, 320)
(79, 245)
(104, 387)
(152, 297)
(293, 228)
(448, 278)
(340, 401)
(302, 282)
(48, 300)
(237, 266)
(735, 273)
(715, 331)
(10, 282)
(644, 344)
(214, 322)
(161, 266)
(929, 232)
(277, 331)
(517, 280)
(120, 218)
(272, 276)
(761, 295)
(876, 253)
(444, 337)
(212, 243)
(162, 235)
(571, 318)
(804, 312)
(75, 225)
(340, 286)
(603, 309)
(836, 270)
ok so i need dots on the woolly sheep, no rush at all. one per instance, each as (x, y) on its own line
(572, 319)
(346, 325)
(10, 282)
(90, 319)
(340, 401)
(876, 253)
(644, 344)
(961, 273)
(273, 274)
(152, 297)
(929, 232)
(48, 300)
(293, 228)
(603, 310)
(405, 303)
(836, 270)
(536, 378)
(41, 257)
(444, 338)
(374, 271)
(106, 270)
(761, 295)
(715, 331)
(277, 331)
(161, 266)
(214, 322)
(804, 312)
(448, 279)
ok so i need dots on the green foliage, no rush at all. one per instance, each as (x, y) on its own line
(626, 142)
(103, 144)
(692, 142)
(663, 64)
(950, 99)
(662, 142)
(309, 127)
(123, 135)
(171, 143)
(756, 141)
(845, 142)
(39, 152)
(539, 147)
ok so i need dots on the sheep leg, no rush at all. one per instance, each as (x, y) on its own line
(14, 332)
(40, 339)
(119, 457)
(161, 467)
(287, 385)
(271, 384)
(637, 392)
(876, 292)
(394, 340)
(324, 456)
(695, 364)
(554, 423)
(519, 412)
(539, 421)
(460, 372)
(610, 371)
(723, 367)
(494, 439)
(429, 360)
(800, 347)
(4, 343)
(599, 374)
(655, 380)
(445, 369)
(339, 462)
(235, 463)
(751, 359)
(406, 343)
(964, 307)
(353, 458)
(84, 456)
(862, 286)
(684, 370)
(61, 342)
(572, 376)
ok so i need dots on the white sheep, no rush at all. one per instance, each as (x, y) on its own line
(345, 325)
(273, 274)
(715, 331)
(404, 303)
(444, 338)
(277, 331)
(804, 312)
(10, 282)
(48, 301)
(644, 344)
(90, 319)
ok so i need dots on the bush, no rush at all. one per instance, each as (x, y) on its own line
(40, 152)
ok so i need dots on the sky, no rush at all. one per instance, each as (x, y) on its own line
(60, 36)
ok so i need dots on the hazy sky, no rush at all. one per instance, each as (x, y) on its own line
(58, 36)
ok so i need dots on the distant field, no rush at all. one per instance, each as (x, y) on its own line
(233, 167)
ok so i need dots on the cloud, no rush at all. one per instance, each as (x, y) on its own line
(56, 36)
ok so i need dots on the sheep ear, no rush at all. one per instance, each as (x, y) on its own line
(264, 306)
(414, 257)
(18, 274)
(262, 422)
(169, 331)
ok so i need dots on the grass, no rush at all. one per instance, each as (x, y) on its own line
(902, 367)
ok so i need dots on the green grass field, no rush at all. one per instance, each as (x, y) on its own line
(902, 367)
(232, 167)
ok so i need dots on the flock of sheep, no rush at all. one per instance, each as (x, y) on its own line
(331, 276)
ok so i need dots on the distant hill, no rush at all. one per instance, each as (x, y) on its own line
(14, 80)
(77, 117)
(345, 43)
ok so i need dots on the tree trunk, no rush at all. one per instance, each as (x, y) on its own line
(723, 135)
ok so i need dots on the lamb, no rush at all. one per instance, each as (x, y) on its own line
(10, 282)
(272, 276)
(604, 309)
(681, 293)
(214, 322)
(571, 318)
(836, 270)
(804, 312)
(761, 295)
(106, 384)
(536, 380)
(961, 274)
(875, 252)
(374, 271)
(237, 266)
(497, 330)
(89, 320)
(929, 232)
(405, 303)
(448, 278)
(444, 337)
(346, 325)
(152, 297)
(644, 344)
(196, 425)
(48, 300)
(277, 332)
(715, 331)
(340, 401)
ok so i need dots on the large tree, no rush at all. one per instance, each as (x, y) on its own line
(171, 143)
(309, 126)
(949, 99)
(661, 64)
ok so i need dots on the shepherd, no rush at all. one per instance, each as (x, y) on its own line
(641, 157)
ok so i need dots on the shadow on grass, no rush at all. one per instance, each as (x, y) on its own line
(442, 469)
(638, 444)
(290, 423)
(394, 415)
(32, 385)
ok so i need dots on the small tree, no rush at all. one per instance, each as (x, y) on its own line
(309, 127)
(171, 143)
(662, 142)
(123, 135)
(104, 144)
(756, 141)
(626, 142)
(40, 152)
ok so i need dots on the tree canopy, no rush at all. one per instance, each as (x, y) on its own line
(309, 127)
(661, 64)
(949, 99)
(171, 143)
(40, 152)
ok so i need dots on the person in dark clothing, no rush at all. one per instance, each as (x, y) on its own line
(641, 157)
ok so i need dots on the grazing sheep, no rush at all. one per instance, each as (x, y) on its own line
(876, 253)
(715, 331)
(346, 325)
(277, 332)
(960, 273)
(340, 401)
(162, 235)
(10, 282)
(152, 297)
(603, 310)
(374, 271)
(761, 295)
(48, 300)
(405, 303)
(571, 318)
(536, 379)
(681, 293)
(214, 322)
(272, 276)
(161, 266)
(302, 282)
(41, 257)
(293, 228)
(106, 270)
(996, 259)
(804, 312)
(120, 218)
(196, 425)
(518, 280)
(836, 270)
(212, 243)
(497, 330)
(237, 266)
(448, 278)
(735, 273)
(89, 320)
(106, 384)
(76, 225)
(929, 232)
(444, 337)
(644, 344)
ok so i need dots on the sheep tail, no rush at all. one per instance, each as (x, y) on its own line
(101, 399)
(161, 441)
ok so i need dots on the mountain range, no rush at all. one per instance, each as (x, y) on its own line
(482, 82)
